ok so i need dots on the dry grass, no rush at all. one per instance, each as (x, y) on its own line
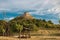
(37, 37)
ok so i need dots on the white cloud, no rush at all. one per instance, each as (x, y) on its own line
(17, 4)
(59, 16)
(27, 4)
(24, 4)
(3, 9)
(7, 19)
(54, 10)
(11, 18)
(39, 5)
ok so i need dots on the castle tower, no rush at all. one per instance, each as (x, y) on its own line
(27, 15)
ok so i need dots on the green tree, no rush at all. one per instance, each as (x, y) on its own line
(3, 27)
(2, 30)
(19, 28)
(44, 20)
(50, 22)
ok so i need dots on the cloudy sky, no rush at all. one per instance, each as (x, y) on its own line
(44, 9)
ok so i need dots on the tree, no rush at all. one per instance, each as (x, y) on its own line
(19, 28)
(2, 30)
(50, 22)
(16, 27)
(32, 28)
(2, 27)
(44, 20)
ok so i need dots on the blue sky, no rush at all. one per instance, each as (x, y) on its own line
(44, 9)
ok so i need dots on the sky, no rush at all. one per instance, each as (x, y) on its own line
(40, 9)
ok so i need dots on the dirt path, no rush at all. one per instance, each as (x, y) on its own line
(32, 38)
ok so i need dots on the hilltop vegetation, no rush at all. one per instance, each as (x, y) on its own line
(25, 23)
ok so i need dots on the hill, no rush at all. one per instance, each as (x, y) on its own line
(26, 18)
(26, 22)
